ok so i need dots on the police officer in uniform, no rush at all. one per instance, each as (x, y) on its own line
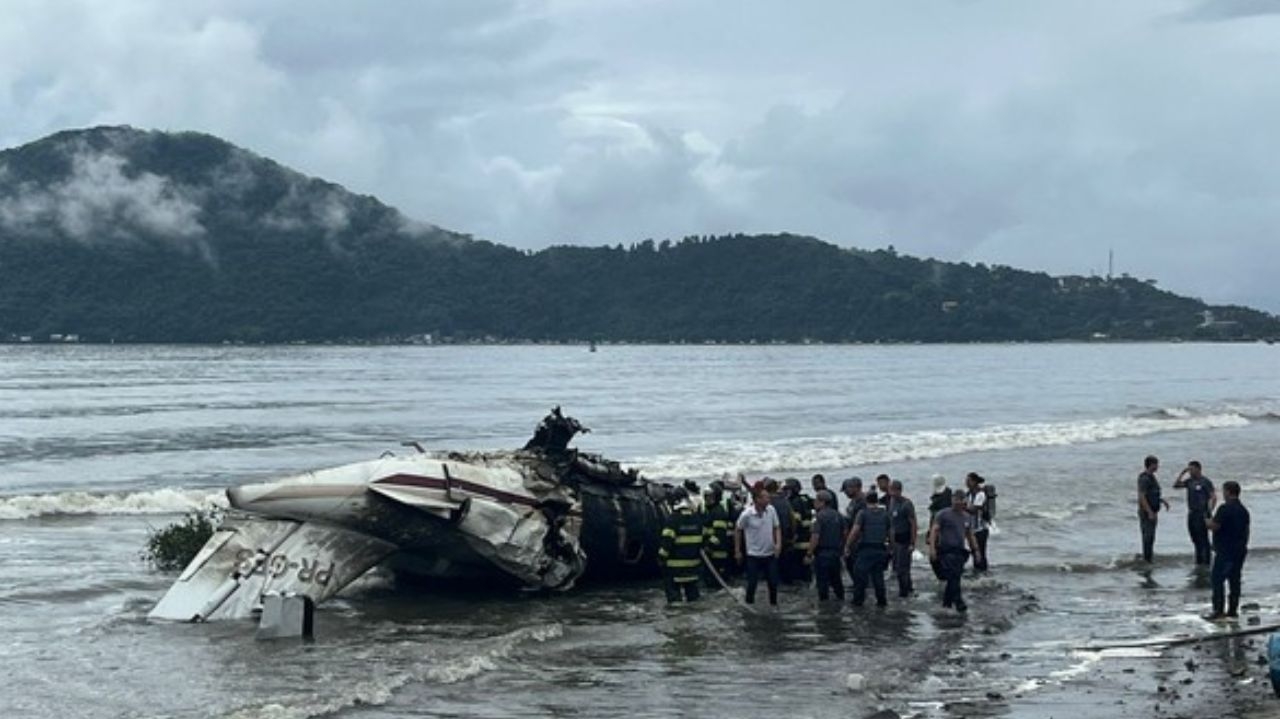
(681, 550)
(825, 547)
(870, 535)
(857, 501)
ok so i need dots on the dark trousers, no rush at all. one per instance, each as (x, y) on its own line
(1226, 570)
(936, 566)
(1148, 527)
(1198, 529)
(980, 563)
(850, 562)
(762, 565)
(677, 585)
(870, 565)
(902, 568)
(951, 563)
(826, 570)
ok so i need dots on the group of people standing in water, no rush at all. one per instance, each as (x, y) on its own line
(777, 533)
(1228, 522)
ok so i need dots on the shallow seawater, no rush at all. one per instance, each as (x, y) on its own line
(100, 444)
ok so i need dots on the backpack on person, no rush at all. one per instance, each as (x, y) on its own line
(989, 506)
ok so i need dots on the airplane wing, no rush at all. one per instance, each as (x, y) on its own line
(249, 557)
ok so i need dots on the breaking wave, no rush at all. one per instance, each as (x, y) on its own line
(159, 501)
(473, 665)
(800, 454)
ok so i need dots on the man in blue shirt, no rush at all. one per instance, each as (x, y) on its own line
(1201, 499)
(1230, 527)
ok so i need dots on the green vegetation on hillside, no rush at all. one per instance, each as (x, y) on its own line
(117, 235)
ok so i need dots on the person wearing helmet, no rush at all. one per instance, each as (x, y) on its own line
(695, 496)
(681, 550)
(794, 568)
(715, 533)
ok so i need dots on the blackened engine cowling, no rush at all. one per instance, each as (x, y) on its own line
(621, 530)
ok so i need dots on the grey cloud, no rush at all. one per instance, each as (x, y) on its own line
(1214, 10)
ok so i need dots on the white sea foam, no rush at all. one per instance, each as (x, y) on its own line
(159, 501)
(466, 667)
(378, 688)
(375, 690)
(706, 459)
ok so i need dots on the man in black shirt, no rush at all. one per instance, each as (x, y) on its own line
(1230, 527)
(1149, 503)
(1200, 501)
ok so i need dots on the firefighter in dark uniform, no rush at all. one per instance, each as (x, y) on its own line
(717, 526)
(794, 566)
(681, 552)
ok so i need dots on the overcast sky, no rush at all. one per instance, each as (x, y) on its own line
(1037, 134)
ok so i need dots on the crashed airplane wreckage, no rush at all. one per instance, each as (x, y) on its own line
(542, 517)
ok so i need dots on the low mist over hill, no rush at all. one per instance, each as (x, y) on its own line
(114, 234)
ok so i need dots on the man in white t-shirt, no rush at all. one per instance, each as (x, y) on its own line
(760, 531)
(976, 506)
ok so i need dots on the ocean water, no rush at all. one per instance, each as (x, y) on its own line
(99, 444)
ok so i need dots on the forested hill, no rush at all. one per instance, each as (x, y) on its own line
(113, 234)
